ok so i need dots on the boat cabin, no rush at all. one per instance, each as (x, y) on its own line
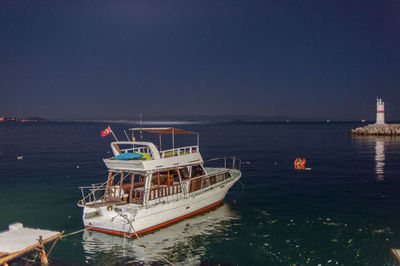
(162, 185)
(129, 187)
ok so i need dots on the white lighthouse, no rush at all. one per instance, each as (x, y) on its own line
(380, 112)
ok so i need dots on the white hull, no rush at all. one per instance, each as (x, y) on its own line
(169, 240)
(157, 213)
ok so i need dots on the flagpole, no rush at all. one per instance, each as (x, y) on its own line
(112, 132)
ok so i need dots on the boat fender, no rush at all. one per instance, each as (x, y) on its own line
(300, 163)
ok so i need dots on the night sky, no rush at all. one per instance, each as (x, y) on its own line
(114, 59)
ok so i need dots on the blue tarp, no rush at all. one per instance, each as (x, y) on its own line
(128, 156)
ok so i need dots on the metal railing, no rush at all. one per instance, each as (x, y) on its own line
(179, 151)
(138, 149)
(89, 193)
(165, 153)
(236, 163)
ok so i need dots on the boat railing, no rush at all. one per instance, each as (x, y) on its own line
(136, 196)
(205, 181)
(235, 163)
(179, 151)
(192, 185)
(164, 191)
(165, 153)
(137, 149)
(94, 192)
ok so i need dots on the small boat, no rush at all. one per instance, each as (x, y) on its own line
(151, 188)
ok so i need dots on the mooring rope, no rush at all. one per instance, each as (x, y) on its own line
(140, 240)
(73, 233)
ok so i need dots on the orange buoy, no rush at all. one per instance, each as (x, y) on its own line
(300, 163)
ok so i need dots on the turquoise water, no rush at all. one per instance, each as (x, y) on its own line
(345, 211)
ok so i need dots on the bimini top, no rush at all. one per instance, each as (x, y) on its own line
(164, 130)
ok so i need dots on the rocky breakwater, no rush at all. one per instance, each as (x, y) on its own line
(377, 130)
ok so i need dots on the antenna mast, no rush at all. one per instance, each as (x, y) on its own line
(141, 125)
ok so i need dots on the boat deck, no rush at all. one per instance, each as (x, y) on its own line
(104, 203)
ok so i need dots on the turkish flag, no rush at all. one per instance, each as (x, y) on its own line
(105, 132)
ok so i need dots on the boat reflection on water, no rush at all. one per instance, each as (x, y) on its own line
(378, 144)
(380, 158)
(183, 242)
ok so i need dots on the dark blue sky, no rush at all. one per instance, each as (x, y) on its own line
(114, 59)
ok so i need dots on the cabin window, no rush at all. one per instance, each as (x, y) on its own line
(206, 182)
(213, 180)
(184, 173)
(125, 186)
(135, 189)
(197, 170)
(165, 178)
(174, 175)
(220, 178)
(227, 175)
(165, 183)
(155, 180)
(195, 185)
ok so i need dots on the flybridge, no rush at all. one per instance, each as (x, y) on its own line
(151, 158)
(143, 155)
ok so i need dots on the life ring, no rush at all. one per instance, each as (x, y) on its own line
(300, 163)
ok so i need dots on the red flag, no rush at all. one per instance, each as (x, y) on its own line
(105, 132)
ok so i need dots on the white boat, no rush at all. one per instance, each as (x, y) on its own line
(162, 187)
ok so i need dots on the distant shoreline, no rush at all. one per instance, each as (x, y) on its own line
(22, 120)
(189, 120)
(181, 122)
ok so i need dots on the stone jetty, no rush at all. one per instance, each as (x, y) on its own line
(377, 130)
(380, 128)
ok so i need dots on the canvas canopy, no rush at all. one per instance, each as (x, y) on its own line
(164, 131)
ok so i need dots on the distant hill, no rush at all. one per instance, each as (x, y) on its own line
(231, 118)
(216, 118)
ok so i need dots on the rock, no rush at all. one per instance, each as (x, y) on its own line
(377, 130)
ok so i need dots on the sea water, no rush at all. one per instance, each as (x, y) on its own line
(344, 211)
